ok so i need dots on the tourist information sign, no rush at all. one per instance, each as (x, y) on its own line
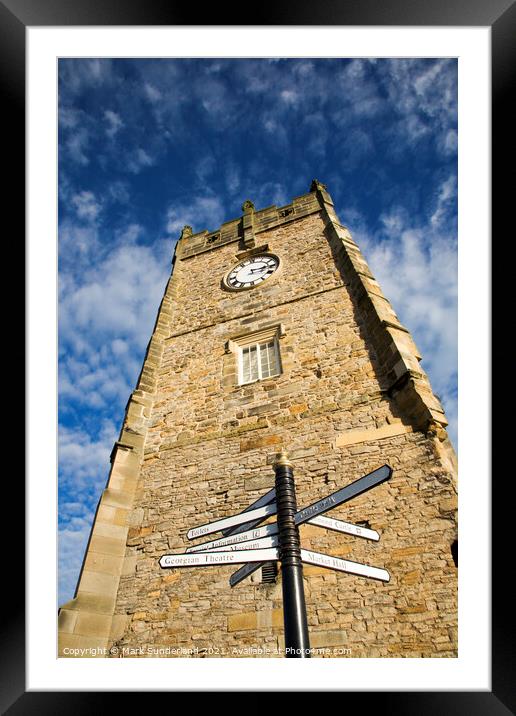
(363, 484)
(248, 544)
(241, 538)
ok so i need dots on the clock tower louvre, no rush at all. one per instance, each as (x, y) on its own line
(310, 356)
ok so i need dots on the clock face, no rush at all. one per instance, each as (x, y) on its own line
(252, 271)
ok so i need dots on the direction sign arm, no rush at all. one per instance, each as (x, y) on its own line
(344, 565)
(363, 484)
(260, 502)
(225, 522)
(211, 559)
(339, 526)
(244, 572)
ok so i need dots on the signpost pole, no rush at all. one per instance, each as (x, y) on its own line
(297, 644)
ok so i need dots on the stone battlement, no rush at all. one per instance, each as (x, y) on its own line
(235, 229)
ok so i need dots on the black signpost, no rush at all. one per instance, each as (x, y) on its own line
(297, 644)
(244, 543)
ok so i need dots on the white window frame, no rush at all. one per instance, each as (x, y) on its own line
(258, 345)
(258, 338)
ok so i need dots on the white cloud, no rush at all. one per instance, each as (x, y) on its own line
(304, 69)
(359, 91)
(86, 206)
(202, 212)
(424, 93)
(213, 68)
(289, 97)
(68, 117)
(76, 75)
(151, 92)
(220, 103)
(205, 168)
(121, 295)
(114, 122)
(129, 235)
(118, 191)
(267, 193)
(138, 160)
(78, 244)
(447, 193)
(276, 130)
(99, 388)
(76, 146)
(119, 347)
(97, 70)
(232, 176)
(448, 142)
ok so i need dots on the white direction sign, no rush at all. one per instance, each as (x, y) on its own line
(363, 484)
(222, 524)
(262, 543)
(341, 526)
(344, 565)
(212, 559)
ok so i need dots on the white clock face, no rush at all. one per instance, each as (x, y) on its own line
(252, 271)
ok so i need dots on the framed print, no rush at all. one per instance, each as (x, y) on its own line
(156, 147)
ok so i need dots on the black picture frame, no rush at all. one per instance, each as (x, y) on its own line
(500, 16)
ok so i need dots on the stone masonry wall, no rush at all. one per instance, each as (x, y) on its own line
(351, 397)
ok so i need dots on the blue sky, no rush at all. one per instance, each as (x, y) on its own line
(147, 146)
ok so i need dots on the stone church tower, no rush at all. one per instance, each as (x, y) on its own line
(272, 334)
